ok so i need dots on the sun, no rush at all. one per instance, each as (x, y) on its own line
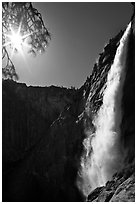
(16, 40)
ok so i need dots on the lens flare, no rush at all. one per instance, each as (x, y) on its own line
(16, 40)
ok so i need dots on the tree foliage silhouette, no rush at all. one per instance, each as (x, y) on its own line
(25, 16)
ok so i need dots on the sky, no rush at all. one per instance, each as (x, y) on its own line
(79, 32)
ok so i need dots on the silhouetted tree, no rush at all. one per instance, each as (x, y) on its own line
(23, 16)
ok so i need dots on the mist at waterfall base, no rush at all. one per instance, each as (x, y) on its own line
(103, 152)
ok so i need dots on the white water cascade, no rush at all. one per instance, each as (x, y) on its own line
(107, 154)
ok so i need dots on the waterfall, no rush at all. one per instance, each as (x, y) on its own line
(103, 152)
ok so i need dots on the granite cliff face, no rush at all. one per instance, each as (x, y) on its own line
(45, 132)
(28, 112)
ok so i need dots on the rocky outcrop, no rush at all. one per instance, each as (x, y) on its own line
(120, 189)
(44, 129)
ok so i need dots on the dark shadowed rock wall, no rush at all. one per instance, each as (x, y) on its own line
(28, 112)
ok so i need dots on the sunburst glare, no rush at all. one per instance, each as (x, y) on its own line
(16, 40)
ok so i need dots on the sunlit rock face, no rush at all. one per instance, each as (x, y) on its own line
(46, 136)
(121, 188)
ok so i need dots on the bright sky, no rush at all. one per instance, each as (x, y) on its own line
(79, 33)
